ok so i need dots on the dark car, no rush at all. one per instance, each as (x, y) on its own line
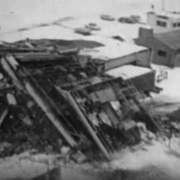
(107, 17)
(118, 38)
(93, 26)
(83, 31)
(127, 20)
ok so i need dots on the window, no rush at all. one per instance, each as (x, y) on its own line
(162, 53)
(176, 24)
(161, 23)
(163, 17)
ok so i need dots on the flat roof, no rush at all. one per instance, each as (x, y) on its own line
(48, 32)
(65, 30)
(126, 31)
(128, 71)
(164, 14)
(112, 50)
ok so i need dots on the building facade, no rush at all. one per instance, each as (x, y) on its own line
(165, 46)
(163, 21)
(141, 58)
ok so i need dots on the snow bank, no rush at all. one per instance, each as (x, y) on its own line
(171, 85)
(156, 155)
(25, 166)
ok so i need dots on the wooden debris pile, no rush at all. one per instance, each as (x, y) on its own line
(52, 99)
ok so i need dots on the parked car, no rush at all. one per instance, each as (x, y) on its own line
(107, 17)
(118, 38)
(93, 26)
(83, 31)
(135, 18)
(127, 20)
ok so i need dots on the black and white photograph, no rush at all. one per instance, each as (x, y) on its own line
(89, 90)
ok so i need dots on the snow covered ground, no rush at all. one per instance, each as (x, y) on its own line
(28, 166)
(25, 166)
(23, 13)
(18, 13)
(157, 155)
(27, 14)
(10, 24)
(171, 85)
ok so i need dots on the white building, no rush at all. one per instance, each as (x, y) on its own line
(163, 21)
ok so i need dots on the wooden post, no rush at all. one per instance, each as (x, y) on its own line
(52, 117)
(4, 115)
(89, 128)
(163, 5)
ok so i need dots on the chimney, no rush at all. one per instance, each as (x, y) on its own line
(145, 32)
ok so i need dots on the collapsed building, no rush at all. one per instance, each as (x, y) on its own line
(86, 109)
(123, 59)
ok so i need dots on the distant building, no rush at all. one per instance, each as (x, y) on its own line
(165, 46)
(163, 21)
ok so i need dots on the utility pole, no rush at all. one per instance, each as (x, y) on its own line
(163, 5)
(176, 6)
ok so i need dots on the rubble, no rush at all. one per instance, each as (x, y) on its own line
(78, 157)
(54, 101)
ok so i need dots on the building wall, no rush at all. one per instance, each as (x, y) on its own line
(152, 19)
(158, 47)
(176, 60)
(144, 82)
(142, 58)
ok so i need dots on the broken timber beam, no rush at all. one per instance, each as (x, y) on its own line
(87, 125)
(8, 67)
(40, 56)
(3, 116)
(49, 114)
(11, 73)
